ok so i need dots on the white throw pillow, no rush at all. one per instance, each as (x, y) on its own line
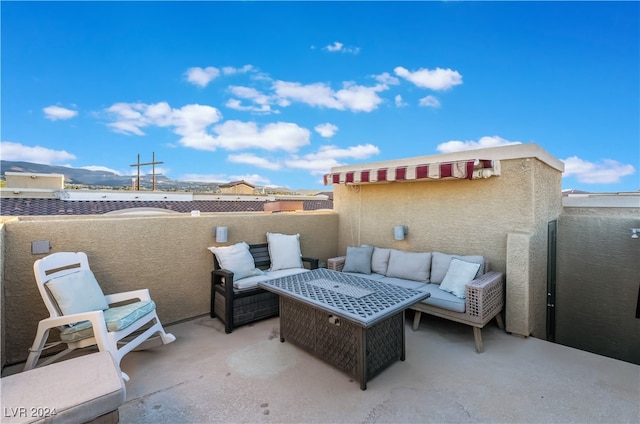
(460, 274)
(380, 260)
(409, 265)
(237, 259)
(358, 259)
(440, 265)
(284, 251)
(77, 292)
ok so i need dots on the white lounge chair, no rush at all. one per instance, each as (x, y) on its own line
(84, 315)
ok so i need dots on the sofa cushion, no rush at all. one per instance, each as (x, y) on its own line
(358, 259)
(403, 282)
(440, 265)
(460, 273)
(380, 260)
(252, 282)
(237, 259)
(442, 299)
(373, 276)
(409, 265)
(284, 251)
(77, 292)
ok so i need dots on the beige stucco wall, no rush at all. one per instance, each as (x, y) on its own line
(166, 254)
(238, 189)
(503, 218)
(2, 349)
(598, 281)
(34, 180)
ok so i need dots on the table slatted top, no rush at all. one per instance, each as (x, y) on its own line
(359, 299)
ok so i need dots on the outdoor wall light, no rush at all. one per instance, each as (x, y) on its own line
(635, 232)
(400, 231)
(221, 234)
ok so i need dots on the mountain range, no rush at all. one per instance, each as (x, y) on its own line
(104, 179)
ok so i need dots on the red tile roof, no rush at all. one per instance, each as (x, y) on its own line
(37, 207)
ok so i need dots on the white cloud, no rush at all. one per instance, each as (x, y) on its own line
(203, 178)
(387, 79)
(251, 178)
(19, 152)
(399, 102)
(102, 168)
(190, 121)
(353, 97)
(484, 142)
(437, 79)
(605, 172)
(55, 113)
(429, 101)
(262, 100)
(236, 104)
(335, 47)
(238, 135)
(327, 157)
(326, 130)
(340, 47)
(202, 76)
(228, 70)
(250, 159)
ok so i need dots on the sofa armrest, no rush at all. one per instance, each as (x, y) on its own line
(141, 294)
(313, 262)
(337, 263)
(224, 278)
(485, 296)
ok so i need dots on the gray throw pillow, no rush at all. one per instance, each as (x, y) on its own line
(358, 259)
(409, 265)
(380, 260)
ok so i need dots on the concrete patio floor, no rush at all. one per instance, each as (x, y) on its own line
(249, 376)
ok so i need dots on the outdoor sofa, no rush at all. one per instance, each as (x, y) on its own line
(462, 288)
(236, 298)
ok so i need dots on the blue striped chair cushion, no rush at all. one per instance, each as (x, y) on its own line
(117, 318)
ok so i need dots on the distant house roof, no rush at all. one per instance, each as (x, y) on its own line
(236, 183)
(329, 194)
(49, 206)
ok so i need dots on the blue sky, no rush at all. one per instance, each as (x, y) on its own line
(276, 93)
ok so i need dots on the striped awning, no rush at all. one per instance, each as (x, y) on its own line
(464, 169)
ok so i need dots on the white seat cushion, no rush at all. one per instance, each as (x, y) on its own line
(252, 282)
(442, 299)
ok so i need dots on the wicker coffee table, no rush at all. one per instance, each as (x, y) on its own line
(353, 323)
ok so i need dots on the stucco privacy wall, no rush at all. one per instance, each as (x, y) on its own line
(598, 281)
(166, 254)
(2, 349)
(503, 218)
